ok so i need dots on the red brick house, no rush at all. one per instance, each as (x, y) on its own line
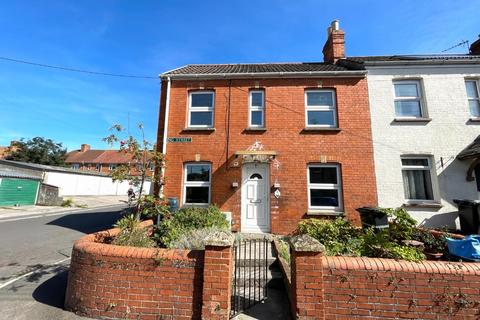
(270, 143)
(101, 160)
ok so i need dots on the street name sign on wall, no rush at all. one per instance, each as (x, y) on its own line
(179, 139)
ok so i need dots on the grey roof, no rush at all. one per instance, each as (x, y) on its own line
(361, 62)
(4, 173)
(46, 168)
(472, 151)
(256, 69)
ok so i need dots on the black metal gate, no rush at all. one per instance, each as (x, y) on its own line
(251, 274)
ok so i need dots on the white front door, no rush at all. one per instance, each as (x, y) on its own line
(255, 198)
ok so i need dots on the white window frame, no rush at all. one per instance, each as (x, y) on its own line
(325, 186)
(98, 167)
(201, 109)
(75, 166)
(332, 108)
(196, 184)
(256, 108)
(419, 98)
(430, 168)
(477, 86)
(112, 166)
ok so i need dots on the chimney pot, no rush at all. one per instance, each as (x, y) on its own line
(335, 25)
(84, 147)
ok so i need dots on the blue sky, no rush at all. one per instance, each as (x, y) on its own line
(150, 37)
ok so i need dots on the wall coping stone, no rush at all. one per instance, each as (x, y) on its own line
(305, 243)
(219, 239)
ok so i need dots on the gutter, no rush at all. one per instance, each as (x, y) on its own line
(165, 132)
(309, 74)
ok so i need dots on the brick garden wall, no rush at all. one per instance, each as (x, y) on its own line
(107, 281)
(368, 288)
(351, 147)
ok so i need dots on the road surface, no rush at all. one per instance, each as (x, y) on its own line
(34, 260)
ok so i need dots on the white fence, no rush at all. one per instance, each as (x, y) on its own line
(72, 184)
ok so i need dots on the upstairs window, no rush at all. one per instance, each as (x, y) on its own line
(200, 109)
(256, 117)
(408, 99)
(320, 108)
(417, 179)
(324, 187)
(473, 89)
(197, 182)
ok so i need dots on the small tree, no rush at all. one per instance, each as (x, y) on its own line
(143, 155)
(37, 150)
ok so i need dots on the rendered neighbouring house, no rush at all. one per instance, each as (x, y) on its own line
(269, 143)
(425, 111)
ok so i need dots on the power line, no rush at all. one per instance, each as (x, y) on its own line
(75, 69)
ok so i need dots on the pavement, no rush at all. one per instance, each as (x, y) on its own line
(35, 256)
(80, 203)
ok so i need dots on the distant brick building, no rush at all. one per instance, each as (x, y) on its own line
(269, 143)
(104, 161)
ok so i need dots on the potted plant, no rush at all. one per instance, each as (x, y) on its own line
(434, 246)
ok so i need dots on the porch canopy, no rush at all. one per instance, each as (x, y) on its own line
(472, 151)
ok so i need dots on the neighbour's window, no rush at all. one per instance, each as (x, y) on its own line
(75, 166)
(98, 167)
(320, 108)
(151, 166)
(256, 109)
(417, 178)
(408, 99)
(112, 166)
(324, 187)
(197, 183)
(200, 109)
(473, 90)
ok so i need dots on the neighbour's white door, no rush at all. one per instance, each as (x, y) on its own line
(255, 198)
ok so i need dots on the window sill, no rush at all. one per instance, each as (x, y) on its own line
(321, 129)
(313, 212)
(256, 129)
(432, 205)
(412, 120)
(189, 129)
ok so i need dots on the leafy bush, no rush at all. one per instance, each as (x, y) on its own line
(67, 202)
(338, 236)
(173, 226)
(401, 225)
(284, 250)
(151, 207)
(131, 234)
(432, 244)
(193, 239)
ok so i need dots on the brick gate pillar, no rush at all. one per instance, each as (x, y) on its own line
(306, 268)
(217, 276)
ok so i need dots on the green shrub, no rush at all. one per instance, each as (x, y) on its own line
(284, 250)
(338, 236)
(131, 234)
(181, 222)
(432, 244)
(401, 224)
(193, 239)
(67, 202)
(149, 206)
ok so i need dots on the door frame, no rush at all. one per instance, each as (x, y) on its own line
(243, 212)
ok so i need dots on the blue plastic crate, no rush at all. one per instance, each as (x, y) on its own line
(467, 248)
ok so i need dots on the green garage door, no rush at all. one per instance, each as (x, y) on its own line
(17, 191)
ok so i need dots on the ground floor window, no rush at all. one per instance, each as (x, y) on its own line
(324, 187)
(417, 178)
(197, 183)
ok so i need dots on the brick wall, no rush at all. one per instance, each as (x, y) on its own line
(351, 147)
(107, 281)
(367, 288)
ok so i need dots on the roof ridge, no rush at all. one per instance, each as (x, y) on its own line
(250, 63)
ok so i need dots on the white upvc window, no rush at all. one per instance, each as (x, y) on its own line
(200, 109)
(75, 166)
(197, 184)
(417, 173)
(324, 187)
(320, 108)
(98, 167)
(112, 166)
(256, 114)
(473, 95)
(408, 99)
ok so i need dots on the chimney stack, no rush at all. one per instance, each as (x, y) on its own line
(334, 48)
(475, 47)
(84, 147)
